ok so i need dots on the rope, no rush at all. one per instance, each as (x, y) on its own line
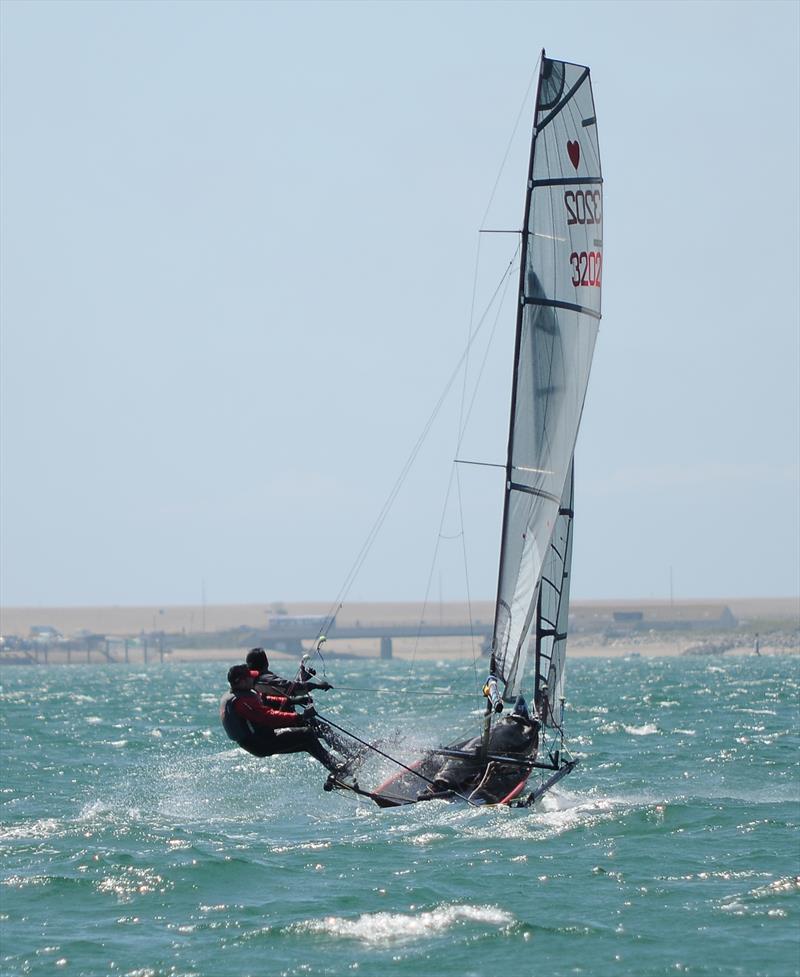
(352, 574)
(463, 422)
(525, 98)
(371, 746)
(464, 359)
(357, 688)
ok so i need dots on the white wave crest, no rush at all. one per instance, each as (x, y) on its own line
(647, 730)
(382, 928)
(427, 838)
(41, 828)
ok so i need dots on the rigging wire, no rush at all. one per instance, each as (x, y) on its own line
(489, 203)
(416, 773)
(525, 98)
(466, 570)
(392, 759)
(464, 359)
(386, 507)
(407, 691)
(454, 466)
(462, 421)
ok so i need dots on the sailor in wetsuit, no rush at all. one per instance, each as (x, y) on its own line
(265, 725)
(516, 735)
(271, 684)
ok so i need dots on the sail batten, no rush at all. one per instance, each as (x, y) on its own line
(557, 320)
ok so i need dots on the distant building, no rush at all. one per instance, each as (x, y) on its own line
(307, 625)
(628, 617)
(652, 617)
(44, 632)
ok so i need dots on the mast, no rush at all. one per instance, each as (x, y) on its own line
(517, 339)
(537, 667)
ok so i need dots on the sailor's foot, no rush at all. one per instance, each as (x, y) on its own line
(341, 776)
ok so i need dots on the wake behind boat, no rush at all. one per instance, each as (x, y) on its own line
(558, 314)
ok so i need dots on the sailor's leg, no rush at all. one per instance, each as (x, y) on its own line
(348, 750)
(261, 743)
(299, 739)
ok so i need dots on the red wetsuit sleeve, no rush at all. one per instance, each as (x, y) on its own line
(279, 702)
(253, 711)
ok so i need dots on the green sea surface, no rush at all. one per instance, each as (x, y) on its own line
(137, 840)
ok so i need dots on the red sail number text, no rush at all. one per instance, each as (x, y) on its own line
(587, 267)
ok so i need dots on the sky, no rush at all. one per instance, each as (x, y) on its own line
(240, 259)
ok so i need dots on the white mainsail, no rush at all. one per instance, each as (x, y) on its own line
(557, 323)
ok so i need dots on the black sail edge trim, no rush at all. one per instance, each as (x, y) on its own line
(566, 181)
(518, 487)
(555, 304)
(548, 119)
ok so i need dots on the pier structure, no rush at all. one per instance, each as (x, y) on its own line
(113, 649)
(288, 635)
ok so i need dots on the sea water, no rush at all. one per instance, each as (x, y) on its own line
(138, 841)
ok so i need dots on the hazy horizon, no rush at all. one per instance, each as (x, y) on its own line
(272, 605)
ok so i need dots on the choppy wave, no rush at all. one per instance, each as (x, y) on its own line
(387, 927)
(648, 729)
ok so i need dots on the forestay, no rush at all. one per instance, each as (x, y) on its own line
(557, 322)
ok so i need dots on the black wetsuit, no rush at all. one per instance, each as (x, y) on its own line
(263, 731)
(271, 684)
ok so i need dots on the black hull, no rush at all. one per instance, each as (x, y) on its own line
(493, 782)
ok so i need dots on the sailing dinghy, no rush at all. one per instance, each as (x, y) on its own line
(557, 319)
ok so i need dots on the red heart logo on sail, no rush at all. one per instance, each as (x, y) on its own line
(574, 150)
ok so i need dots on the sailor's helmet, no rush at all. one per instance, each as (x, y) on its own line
(237, 672)
(257, 658)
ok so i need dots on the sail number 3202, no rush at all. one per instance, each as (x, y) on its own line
(584, 206)
(587, 268)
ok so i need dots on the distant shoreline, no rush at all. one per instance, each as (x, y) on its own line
(224, 632)
(660, 649)
(195, 618)
(286, 663)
